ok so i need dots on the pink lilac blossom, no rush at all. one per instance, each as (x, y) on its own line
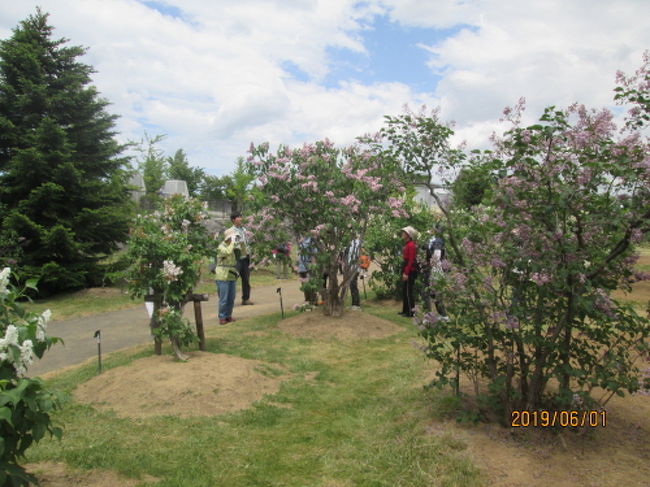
(540, 278)
(498, 263)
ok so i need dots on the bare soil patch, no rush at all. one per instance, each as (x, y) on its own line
(616, 455)
(353, 325)
(51, 474)
(206, 385)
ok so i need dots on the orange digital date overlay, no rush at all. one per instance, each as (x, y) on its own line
(564, 419)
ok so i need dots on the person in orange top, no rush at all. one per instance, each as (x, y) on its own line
(409, 270)
(364, 262)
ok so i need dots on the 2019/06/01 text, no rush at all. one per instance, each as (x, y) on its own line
(564, 418)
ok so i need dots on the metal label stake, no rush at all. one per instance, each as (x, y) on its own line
(279, 291)
(98, 339)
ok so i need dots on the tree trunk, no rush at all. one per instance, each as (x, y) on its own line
(332, 296)
(565, 347)
(153, 323)
(177, 350)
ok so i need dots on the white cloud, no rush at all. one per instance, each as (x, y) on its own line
(213, 79)
(551, 52)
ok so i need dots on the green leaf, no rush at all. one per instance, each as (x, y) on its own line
(31, 283)
(38, 430)
(5, 414)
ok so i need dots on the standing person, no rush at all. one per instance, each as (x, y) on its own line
(364, 262)
(409, 270)
(242, 252)
(226, 276)
(364, 266)
(435, 253)
(352, 260)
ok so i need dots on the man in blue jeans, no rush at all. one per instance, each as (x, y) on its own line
(226, 276)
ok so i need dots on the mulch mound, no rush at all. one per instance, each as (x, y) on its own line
(207, 384)
(353, 325)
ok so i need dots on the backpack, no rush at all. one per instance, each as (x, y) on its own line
(437, 243)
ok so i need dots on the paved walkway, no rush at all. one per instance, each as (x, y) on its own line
(130, 327)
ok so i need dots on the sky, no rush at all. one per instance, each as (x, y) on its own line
(215, 75)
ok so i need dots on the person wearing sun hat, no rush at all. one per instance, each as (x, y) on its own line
(409, 270)
(226, 275)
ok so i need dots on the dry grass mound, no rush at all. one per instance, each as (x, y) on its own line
(353, 325)
(206, 385)
(51, 474)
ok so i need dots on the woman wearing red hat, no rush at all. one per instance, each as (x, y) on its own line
(409, 270)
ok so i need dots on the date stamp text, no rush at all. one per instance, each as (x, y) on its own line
(565, 419)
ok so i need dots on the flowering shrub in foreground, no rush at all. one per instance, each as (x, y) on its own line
(530, 287)
(531, 270)
(25, 404)
(166, 249)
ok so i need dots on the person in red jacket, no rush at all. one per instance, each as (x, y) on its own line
(409, 270)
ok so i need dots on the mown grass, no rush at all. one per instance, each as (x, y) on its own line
(360, 422)
(84, 303)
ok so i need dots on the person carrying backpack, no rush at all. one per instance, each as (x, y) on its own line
(435, 254)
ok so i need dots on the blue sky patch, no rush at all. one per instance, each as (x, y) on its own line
(294, 70)
(164, 8)
(392, 55)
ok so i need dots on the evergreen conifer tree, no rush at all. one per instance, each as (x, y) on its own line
(62, 184)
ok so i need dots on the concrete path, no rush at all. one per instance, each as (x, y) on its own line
(130, 327)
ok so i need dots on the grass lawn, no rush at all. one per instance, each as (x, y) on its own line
(347, 413)
(352, 413)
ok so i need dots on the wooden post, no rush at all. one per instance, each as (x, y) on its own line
(198, 317)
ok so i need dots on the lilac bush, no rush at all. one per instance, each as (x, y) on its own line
(166, 249)
(328, 193)
(530, 271)
(530, 288)
(25, 402)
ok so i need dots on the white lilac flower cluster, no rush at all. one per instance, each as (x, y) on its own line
(19, 354)
(4, 280)
(171, 271)
(26, 348)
